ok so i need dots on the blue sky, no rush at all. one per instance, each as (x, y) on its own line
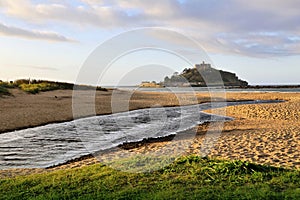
(259, 39)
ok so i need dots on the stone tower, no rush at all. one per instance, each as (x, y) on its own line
(203, 66)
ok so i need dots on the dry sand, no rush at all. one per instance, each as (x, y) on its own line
(261, 133)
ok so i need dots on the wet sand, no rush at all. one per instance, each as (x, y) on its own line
(261, 133)
(22, 110)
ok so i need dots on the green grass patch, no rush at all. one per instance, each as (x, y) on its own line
(35, 88)
(189, 177)
(7, 85)
(38, 87)
(4, 91)
(4, 86)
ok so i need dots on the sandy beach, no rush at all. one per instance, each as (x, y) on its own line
(22, 110)
(260, 133)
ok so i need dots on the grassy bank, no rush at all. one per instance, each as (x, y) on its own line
(36, 86)
(187, 178)
(4, 86)
(4, 91)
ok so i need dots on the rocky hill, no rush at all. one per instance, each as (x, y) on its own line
(207, 76)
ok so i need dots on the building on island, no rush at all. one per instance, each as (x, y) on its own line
(203, 66)
(149, 84)
(201, 75)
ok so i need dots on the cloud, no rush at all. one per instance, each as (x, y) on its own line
(34, 67)
(229, 14)
(41, 68)
(261, 44)
(89, 12)
(31, 34)
(221, 26)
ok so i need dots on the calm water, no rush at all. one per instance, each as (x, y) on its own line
(203, 89)
(52, 144)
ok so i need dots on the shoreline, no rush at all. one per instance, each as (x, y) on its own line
(70, 120)
(129, 145)
(42, 122)
(126, 143)
(109, 113)
(260, 133)
(124, 146)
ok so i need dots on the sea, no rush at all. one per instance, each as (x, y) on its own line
(206, 89)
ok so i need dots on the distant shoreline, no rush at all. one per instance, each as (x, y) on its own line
(265, 86)
(227, 87)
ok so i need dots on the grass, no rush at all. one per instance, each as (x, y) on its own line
(4, 91)
(36, 86)
(4, 86)
(189, 177)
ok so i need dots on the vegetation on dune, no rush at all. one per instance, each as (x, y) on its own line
(36, 86)
(4, 88)
(6, 84)
(189, 177)
(4, 91)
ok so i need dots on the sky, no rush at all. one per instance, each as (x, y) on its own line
(259, 40)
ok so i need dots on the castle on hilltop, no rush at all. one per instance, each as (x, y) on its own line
(201, 75)
(203, 66)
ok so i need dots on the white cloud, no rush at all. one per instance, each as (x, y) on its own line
(95, 14)
(31, 34)
(219, 25)
(34, 67)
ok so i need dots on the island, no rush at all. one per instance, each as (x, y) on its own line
(201, 75)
